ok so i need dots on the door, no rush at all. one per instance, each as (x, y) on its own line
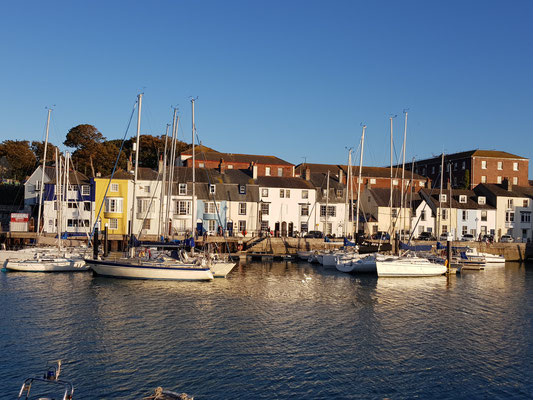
(291, 229)
(283, 228)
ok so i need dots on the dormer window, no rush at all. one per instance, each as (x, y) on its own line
(462, 199)
(182, 189)
(443, 198)
(242, 189)
(481, 200)
(339, 192)
(324, 192)
(212, 189)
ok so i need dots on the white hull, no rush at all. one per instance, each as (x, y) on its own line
(304, 255)
(44, 265)
(408, 267)
(359, 263)
(221, 269)
(152, 271)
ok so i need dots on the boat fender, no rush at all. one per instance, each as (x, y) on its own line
(239, 247)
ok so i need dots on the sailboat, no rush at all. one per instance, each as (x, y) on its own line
(164, 268)
(59, 260)
(406, 265)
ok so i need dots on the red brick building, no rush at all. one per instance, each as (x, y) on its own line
(470, 168)
(266, 165)
(371, 177)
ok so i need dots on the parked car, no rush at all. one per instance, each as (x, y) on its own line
(487, 238)
(443, 236)
(468, 237)
(506, 239)
(425, 236)
(314, 234)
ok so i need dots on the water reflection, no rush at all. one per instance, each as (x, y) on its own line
(289, 329)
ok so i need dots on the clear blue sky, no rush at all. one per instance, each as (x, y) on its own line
(288, 78)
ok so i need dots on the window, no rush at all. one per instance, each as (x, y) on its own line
(423, 215)
(462, 199)
(525, 216)
(281, 193)
(499, 179)
(113, 205)
(372, 181)
(73, 188)
(242, 227)
(444, 214)
(264, 208)
(280, 171)
(264, 192)
(482, 200)
(509, 203)
(515, 180)
(85, 190)
(303, 227)
(146, 224)
(183, 207)
(86, 206)
(113, 223)
(304, 210)
(287, 193)
(69, 223)
(483, 164)
(509, 216)
(182, 189)
(264, 226)
(483, 179)
(242, 208)
(211, 225)
(526, 203)
(444, 228)
(464, 230)
(143, 205)
(37, 185)
(484, 215)
(433, 170)
(500, 165)
(455, 166)
(305, 194)
(332, 211)
(465, 215)
(515, 166)
(443, 198)
(147, 189)
(455, 181)
(394, 213)
(463, 166)
(86, 223)
(210, 208)
(72, 204)
(113, 188)
(267, 171)
(242, 189)
(395, 182)
(212, 189)
(339, 192)
(329, 227)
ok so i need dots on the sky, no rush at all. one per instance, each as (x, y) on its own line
(294, 79)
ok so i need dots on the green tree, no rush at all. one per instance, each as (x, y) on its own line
(19, 157)
(86, 141)
(466, 180)
(38, 150)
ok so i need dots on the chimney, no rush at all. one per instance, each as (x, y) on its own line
(129, 166)
(221, 166)
(341, 177)
(307, 174)
(160, 165)
(507, 184)
(254, 171)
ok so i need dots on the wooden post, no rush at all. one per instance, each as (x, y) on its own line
(106, 241)
(448, 255)
(96, 244)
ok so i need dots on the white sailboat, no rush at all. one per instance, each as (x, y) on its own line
(162, 268)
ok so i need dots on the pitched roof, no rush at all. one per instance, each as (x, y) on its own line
(283, 182)
(238, 158)
(382, 196)
(472, 153)
(500, 190)
(471, 200)
(367, 172)
(74, 176)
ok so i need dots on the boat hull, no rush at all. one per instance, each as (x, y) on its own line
(222, 269)
(47, 265)
(408, 268)
(158, 272)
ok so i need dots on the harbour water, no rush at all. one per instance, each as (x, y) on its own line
(274, 330)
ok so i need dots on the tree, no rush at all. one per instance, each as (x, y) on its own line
(86, 140)
(19, 157)
(38, 150)
(466, 180)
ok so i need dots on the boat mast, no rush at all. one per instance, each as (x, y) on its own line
(175, 123)
(42, 174)
(439, 227)
(411, 194)
(58, 203)
(390, 200)
(193, 208)
(347, 214)
(327, 205)
(359, 181)
(402, 205)
(162, 197)
(134, 205)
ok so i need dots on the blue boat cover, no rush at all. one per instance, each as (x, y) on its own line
(426, 247)
(348, 243)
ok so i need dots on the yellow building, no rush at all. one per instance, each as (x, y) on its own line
(117, 208)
